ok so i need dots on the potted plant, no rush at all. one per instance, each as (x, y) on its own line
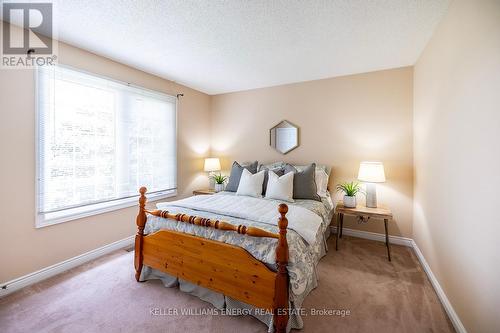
(219, 182)
(350, 190)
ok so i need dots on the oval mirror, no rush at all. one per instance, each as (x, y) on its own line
(284, 137)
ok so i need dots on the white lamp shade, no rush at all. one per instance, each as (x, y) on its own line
(212, 164)
(371, 172)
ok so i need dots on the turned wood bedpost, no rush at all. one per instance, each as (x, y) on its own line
(139, 237)
(281, 296)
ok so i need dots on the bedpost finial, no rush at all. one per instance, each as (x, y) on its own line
(283, 221)
(142, 199)
(283, 209)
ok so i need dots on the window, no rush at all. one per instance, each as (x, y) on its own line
(99, 141)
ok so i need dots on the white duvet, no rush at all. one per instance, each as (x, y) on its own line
(303, 221)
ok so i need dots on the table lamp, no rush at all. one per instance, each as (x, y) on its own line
(371, 173)
(211, 164)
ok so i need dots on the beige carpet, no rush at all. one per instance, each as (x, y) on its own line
(102, 296)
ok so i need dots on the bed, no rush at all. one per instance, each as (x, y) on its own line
(252, 254)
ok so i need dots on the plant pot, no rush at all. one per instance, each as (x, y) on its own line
(219, 187)
(349, 202)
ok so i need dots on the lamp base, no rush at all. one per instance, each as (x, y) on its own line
(211, 181)
(371, 195)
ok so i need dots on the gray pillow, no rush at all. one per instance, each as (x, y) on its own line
(279, 171)
(323, 167)
(304, 182)
(235, 175)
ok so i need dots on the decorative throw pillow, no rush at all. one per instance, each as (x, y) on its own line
(271, 166)
(323, 167)
(235, 175)
(278, 171)
(321, 182)
(280, 188)
(251, 184)
(304, 183)
(322, 171)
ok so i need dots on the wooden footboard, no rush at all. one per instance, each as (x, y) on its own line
(218, 266)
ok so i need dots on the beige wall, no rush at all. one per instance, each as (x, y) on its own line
(24, 249)
(342, 121)
(457, 160)
(436, 128)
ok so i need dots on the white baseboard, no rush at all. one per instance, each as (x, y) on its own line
(375, 236)
(459, 327)
(50, 271)
(457, 323)
(29, 279)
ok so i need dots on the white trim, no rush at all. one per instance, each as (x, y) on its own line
(459, 327)
(50, 271)
(63, 266)
(455, 320)
(45, 220)
(397, 240)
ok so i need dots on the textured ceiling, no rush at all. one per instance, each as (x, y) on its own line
(220, 46)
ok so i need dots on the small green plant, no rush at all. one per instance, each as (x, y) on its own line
(219, 179)
(350, 189)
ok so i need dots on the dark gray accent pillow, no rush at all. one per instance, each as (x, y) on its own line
(304, 182)
(235, 176)
(279, 171)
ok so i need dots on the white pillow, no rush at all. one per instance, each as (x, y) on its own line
(251, 184)
(321, 182)
(280, 188)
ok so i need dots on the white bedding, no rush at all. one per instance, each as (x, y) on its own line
(303, 221)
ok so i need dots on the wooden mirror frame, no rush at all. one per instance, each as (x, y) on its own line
(276, 126)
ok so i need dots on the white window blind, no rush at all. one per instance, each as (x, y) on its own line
(98, 141)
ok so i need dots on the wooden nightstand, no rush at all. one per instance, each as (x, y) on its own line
(203, 192)
(365, 213)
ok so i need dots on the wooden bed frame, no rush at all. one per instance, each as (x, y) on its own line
(221, 267)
